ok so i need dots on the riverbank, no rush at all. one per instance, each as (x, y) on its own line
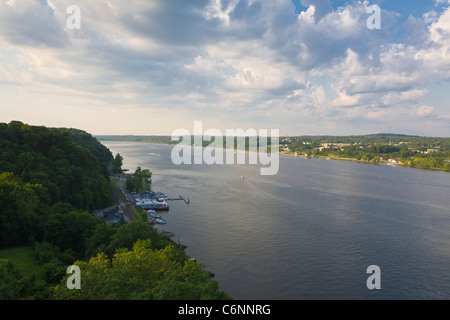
(387, 163)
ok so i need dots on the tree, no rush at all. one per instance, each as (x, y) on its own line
(130, 184)
(18, 203)
(70, 231)
(138, 180)
(117, 164)
(100, 240)
(128, 234)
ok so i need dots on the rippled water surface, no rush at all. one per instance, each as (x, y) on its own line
(311, 231)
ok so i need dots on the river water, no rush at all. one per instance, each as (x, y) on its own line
(312, 230)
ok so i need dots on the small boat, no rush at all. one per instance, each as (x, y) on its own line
(160, 221)
(161, 195)
(153, 214)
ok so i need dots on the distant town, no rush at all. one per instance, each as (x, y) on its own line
(412, 151)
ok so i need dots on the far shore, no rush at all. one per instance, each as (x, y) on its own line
(303, 156)
(360, 161)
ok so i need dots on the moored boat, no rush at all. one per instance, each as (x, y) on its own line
(152, 213)
(160, 221)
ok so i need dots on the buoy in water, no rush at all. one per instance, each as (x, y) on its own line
(242, 177)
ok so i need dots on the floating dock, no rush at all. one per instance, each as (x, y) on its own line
(186, 200)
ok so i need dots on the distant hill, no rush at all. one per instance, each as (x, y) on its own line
(131, 138)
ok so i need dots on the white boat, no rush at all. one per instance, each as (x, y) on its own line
(160, 221)
(161, 195)
(152, 213)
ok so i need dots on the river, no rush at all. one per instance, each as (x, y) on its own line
(310, 231)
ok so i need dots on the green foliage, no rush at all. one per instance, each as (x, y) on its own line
(128, 234)
(9, 281)
(18, 202)
(70, 231)
(116, 166)
(100, 240)
(88, 142)
(21, 257)
(44, 175)
(67, 172)
(142, 273)
(138, 180)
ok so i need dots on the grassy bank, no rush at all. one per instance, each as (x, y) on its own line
(21, 257)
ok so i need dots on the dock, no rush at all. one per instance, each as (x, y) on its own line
(186, 200)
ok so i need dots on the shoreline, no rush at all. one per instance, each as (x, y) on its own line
(361, 161)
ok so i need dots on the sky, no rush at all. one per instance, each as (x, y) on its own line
(305, 67)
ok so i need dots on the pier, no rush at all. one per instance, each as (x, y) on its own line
(186, 200)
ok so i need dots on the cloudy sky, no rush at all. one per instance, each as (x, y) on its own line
(306, 67)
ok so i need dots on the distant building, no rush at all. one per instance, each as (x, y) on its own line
(393, 161)
(334, 145)
(111, 215)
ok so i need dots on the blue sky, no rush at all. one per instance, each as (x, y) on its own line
(405, 8)
(305, 67)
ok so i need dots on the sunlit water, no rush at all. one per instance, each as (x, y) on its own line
(311, 231)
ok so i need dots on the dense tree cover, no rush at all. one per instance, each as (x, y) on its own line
(88, 142)
(142, 273)
(69, 173)
(138, 180)
(49, 182)
(11, 286)
(116, 165)
(18, 204)
(131, 261)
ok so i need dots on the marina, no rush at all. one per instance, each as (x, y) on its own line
(152, 202)
(155, 200)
